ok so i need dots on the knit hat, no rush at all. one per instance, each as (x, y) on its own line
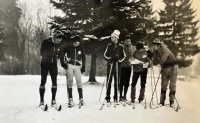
(116, 33)
(156, 41)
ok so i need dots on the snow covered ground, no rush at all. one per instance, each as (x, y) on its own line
(19, 99)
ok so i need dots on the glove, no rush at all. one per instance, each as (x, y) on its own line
(83, 69)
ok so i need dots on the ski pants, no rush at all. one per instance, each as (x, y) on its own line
(169, 74)
(112, 73)
(74, 70)
(125, 75)
(52, 69)
(143, 78)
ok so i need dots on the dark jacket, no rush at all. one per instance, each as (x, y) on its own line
(49, 51)
(142, 56)
(164, 57)
(75, 54)
(114, 50)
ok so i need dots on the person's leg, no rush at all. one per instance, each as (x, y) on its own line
(70, 73)
(127, 80)
(53, 73)
(134, 82)
(164, 84)
(143, 83)
(44, 72)
(77, 74)
(121, 82)
(172, 84)
(109, 81)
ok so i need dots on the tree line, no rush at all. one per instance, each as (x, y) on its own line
(94, 20)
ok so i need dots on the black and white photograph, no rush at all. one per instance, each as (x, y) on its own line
(99, 61)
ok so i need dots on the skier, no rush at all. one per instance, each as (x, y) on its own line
(139, 70)
(114, 53)
(76, 59)
(125, 72)
(163, 56)
(50, 53)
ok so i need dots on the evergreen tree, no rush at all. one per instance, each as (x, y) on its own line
(101, 19)
(178, 29)
(2, 45)
(10, 15)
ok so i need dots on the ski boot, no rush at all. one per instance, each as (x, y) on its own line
(53, 103)
(108, 103)
(41, 103)
(70, 103)
(171, 103)
(81, 102)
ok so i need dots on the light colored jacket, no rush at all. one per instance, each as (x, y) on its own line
(129, 51)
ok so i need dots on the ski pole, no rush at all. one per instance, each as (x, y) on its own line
(107, 85)
(178, 107)
(154, 84)
(154, 91)
(117, 79)
(102, 89)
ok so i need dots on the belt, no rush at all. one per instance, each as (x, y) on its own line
(74, 62)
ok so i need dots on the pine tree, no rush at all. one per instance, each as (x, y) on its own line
(178, 29)
(101, 19)
(9, 18)
(2, 45)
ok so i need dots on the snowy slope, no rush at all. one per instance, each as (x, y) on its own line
(19, 99)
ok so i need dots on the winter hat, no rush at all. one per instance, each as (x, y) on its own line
(156, 41)
(116, 33)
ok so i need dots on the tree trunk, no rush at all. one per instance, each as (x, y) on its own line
(93, 68)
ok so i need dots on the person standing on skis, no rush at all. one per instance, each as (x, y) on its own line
(125, 72)
(50, 53)
(114, 54)
(163, 56)
(75, 65)
(139, 70)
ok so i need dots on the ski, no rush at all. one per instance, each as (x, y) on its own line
(58, 108)
(123, 103)
(44, 107)
(127, 102)
(102, 107)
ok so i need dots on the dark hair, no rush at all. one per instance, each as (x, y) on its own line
(139, 46)
(58, 34)
(127, 37)
(76, 38)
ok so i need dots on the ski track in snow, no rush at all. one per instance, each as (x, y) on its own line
(19, 100)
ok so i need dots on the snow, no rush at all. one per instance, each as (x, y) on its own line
(19, 99)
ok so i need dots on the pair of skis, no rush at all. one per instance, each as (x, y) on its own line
(45, 107)
(175, 108)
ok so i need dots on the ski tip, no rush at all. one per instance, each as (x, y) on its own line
(46, 107)
(60, 107)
